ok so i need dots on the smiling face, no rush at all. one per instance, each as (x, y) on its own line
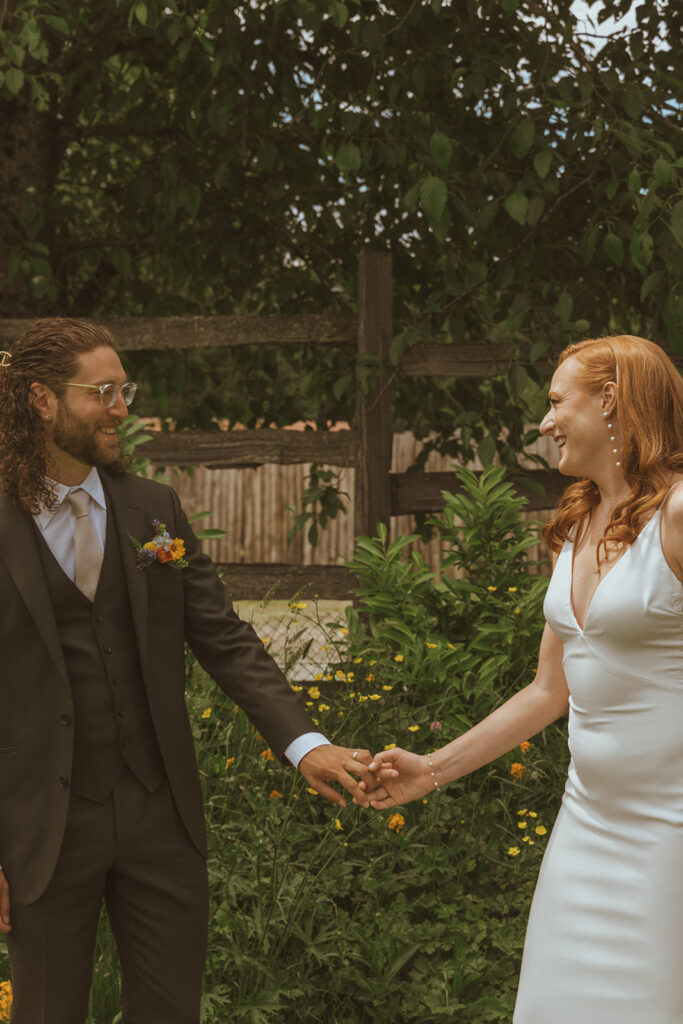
(81, 432)
(577, 424)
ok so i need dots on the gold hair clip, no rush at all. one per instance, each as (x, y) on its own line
(5, 358)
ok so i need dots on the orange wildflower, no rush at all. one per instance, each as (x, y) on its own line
(516, 770)
(268, 754)
(524, 746)
(396, 823)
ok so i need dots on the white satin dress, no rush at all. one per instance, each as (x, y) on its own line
(604, 943)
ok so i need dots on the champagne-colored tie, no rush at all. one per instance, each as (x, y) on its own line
(89, 552)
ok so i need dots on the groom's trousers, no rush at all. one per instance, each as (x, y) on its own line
(132, 853)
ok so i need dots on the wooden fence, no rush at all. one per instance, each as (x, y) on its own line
(379, 494)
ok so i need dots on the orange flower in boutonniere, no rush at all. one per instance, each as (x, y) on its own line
(161, 548)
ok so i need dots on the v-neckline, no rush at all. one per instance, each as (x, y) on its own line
(582, 629)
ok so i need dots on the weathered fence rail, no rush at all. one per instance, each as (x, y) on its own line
(379, 494)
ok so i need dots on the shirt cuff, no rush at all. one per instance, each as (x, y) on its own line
(303, 745)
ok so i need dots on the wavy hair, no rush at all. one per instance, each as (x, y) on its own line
(650, 414)
(48, 352)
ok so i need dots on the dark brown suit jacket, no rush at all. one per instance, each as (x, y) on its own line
(170, 606)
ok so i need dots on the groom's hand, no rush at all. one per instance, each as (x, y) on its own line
(5, 925)
(329, 763)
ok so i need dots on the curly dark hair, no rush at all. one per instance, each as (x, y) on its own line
(48, 352)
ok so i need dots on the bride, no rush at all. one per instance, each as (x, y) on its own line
(605, 931)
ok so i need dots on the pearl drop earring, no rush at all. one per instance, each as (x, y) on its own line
(612, 437)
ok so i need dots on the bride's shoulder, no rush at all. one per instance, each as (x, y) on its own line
(672, 527)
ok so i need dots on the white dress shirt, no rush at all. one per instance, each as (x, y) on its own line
(58, 530)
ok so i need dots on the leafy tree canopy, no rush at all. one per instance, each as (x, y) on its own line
(176, 157)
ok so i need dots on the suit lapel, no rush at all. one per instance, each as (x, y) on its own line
(19, 550)
(130, 520)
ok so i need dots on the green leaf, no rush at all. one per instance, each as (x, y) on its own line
(518, 379)
(634, 183)
(411, 197)
(523, 138)
(433, 195)
(141, 12)
(614, 249)
(650, 283)
(676, 222)
(509, 7)
(14, 79)
(563, 307)
(661, 172)
(634, 101)
(339, 12)
(348, 158)
(612, 187)
(517, 205)
(486, 449)
(542, 162)
(588, 243)
(641, 249)
(441, 148)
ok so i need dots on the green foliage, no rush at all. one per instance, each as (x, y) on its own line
(166, 158)
(419, 914)
(320, 502)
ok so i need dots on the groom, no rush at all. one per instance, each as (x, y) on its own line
(99, 790)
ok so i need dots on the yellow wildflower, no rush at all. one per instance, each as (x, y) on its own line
(362, 698)
(338, 824)
(344, 631)
(318, 676)
(375, 696)
(491, 589)
(398, 657)
(314, 692)
(373, 662)
(522, 824)
(523, 811)
(413, 728)
(339, 674)
(206, 713)
(310, 790)
(513, 851)
(541, 830)
(323, 707)
(431, 646)
(350, 676)
(297, 689)
(453, 647)
(533, 814)
(357, 661)
(512, 590)
(388, 687)
(390, 746)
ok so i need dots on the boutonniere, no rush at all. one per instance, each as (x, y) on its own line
(161, 548)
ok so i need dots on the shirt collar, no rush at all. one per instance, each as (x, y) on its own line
(92, 485)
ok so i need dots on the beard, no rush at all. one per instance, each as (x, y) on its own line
(80, 441)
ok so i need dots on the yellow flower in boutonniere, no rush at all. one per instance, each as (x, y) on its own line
(162, 548)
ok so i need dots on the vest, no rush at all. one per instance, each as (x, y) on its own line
(112, 722)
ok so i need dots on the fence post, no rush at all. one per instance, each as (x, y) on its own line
(373, 424)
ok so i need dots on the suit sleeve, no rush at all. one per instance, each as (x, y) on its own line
(231, 652)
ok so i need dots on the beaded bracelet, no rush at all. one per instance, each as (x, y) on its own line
(437, 785)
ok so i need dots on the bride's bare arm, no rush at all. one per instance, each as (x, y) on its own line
(407, 776)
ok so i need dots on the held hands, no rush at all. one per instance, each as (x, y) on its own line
(329, 763)
(5, 925)
(401, 777)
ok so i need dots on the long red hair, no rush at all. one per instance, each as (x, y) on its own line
(649, 411)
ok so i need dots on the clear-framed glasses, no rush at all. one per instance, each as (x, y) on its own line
(110, 392)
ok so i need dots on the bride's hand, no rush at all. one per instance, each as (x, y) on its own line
(404, 777)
